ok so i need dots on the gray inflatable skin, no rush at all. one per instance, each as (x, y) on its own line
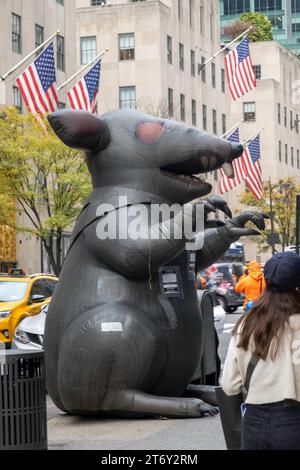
(114, 342)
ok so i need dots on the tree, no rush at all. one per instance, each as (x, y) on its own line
(158, 109)
(41, 177)
(283, 194)
(262, 27)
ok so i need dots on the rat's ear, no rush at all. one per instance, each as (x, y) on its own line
(80, 130)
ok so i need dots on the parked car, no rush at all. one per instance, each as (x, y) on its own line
(22, 296)
(221, 279)
(30, 332)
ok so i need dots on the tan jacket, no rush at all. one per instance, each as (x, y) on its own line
(272, 380)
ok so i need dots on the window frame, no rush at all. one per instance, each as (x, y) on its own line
(89, 53)
(181, 56)
(61, 53)
(249, 116)
(128, 52)
(16, 34)
(182, 107)
(130, 100)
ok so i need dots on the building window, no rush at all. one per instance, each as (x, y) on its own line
(16, 34)
(223, 123)
(286, 154)
(88, 49)
(291, 120)
(292, 156)
(298, 160)
(213, 75)
(193, 63)
(295, 6)
(61, 53)
(126, 46)
(279, 151)
(223, 80)
(204, 117)
(170, 102)
(234, 7)
(249, 111)
(194, 113)
(39, 35)
(297, 123)
(214, 116)
(279, 113)
(17, 98)
(203, 70)
(268, 5)
(179, 8)
(170, 50)
(201, 19)
(181, 56)
(127, 97)
(212, 27)
(285, 117)
(182, 107)
(257, 71)
(61, 2)
(191, 12)
(96, 3)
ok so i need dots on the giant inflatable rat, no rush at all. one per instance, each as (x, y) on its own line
(124, 331)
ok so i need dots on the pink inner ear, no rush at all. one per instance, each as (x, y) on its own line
(150, 132)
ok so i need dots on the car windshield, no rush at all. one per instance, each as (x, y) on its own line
(12, 291)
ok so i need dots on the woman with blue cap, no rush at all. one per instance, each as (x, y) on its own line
(268, 337)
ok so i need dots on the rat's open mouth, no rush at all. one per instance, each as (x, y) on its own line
(189, 180)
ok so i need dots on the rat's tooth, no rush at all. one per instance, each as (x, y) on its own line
(228, 169)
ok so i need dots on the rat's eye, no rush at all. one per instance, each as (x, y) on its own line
(150, 132)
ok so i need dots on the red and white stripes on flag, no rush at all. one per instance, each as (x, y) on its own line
(251, 159)
(37, 84)
(226, 184)
(239, 70)
(84, 94)
(247, 168)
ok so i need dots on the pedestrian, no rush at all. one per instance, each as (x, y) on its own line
(271, 333)
(251, 284)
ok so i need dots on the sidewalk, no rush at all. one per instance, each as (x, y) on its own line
(72, 432)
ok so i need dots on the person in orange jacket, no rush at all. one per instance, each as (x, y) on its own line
(251, 284)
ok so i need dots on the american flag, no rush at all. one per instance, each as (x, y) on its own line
(37, 84)
(226, 184)
(239, 70)
(251, 160)
(84, 94)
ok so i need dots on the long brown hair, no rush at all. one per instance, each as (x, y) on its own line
(266, 321)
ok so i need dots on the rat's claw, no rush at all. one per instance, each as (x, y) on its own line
(205, 408)
(257, 218)
(220, 204)
(208, 207)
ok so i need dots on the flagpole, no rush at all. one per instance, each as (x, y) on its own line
(233, 127)
(82, 70)
(253, 136)
(4, 77)
(202, 66)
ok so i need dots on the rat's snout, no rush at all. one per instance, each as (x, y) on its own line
(236, 151)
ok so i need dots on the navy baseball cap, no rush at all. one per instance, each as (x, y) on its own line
(283, 271)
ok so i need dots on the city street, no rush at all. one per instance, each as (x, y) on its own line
(71, 432)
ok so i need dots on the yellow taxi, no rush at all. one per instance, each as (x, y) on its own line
(22, 296)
